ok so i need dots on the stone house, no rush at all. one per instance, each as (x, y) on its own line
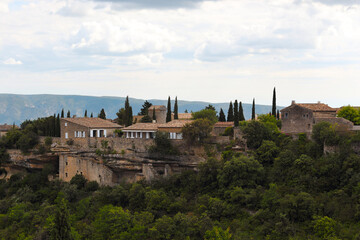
(174, 128)
(5, 128)
(87, 128)
(160, 113)
(219, 127)
(300, 117)
(141, 130)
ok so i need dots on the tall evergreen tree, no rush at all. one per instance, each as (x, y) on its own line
(68, 115)
(154, 115)
(241, 112)
(176, 115)
(62, 113)
(253, 110)
(222, 116)
(168, 113)
(58, 126)
(230, 115)
(236, 114)
(92, 115)
(273, 110)
(85, 114)
(130, 117)
(102, 114)
(278, 115)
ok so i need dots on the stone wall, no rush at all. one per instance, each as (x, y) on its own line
(341, 124)
(89, 167)
(297, 120)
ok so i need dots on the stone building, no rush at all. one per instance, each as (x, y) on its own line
(4, 129)
(87, 128)
(219, 127)
(174, 128)
(141, 130)
(300, 117)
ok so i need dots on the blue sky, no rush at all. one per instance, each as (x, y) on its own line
(216, 51)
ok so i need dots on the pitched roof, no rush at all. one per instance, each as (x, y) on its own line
(317, 107)
(7, 127)
(224, 124)
(185, 115)
(142, 126)
(93, 122)
(157, 107)
(175, 124)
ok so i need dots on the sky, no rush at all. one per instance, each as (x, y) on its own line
(216, 51)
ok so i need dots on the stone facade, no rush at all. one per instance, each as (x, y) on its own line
(160, 113)
(301, 117)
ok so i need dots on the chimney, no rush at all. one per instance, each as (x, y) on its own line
(74, 116)
(292, 102)
(319, 102)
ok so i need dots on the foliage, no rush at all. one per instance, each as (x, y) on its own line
(168, 112)
(230, 115)
(102, 114)
(176, 109)
(197, 131)
(229, 131)
(222, 116)
(208, 114)
(48, 141)
(146, 119)
(162, 144)
(144, 109)
(350, 114)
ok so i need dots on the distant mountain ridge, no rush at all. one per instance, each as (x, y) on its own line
(15, 108)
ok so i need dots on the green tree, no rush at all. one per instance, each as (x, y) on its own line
(92, 115)
(168, 113)
(241, 112)
(253, 110)
(208, 114)
(197, 131)
(217, 233)
(350, 114)
(273, 109)
(68, 115)
(255, 133)
(62, 113)
(121, 116)
(236, 114)
(222, 116)
(278, 115)
(267, 152)
(79, 181)
(102, 114)
(324, 227)
(144, 109)
(324, 133)
(85, 114)
(146, 119)
(230, 115)
(60, 227)
(210, 107)
(176, 115)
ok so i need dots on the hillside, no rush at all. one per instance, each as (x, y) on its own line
(17, 108)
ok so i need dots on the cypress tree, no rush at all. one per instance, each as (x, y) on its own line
(127, 116)
(241, 112)
(273, 111)
(278, 115)
(230, 116)
(130, 119)
(176, 116)
(92, 115)
(85, 115)
(253, 110)
(62, 113)
(222, 116)
(236, 114)
(154, 115)
(58, 126)
(68, 115)
(168, 113)
(102, 114)
(54, 126)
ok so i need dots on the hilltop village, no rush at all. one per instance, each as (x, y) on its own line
(157, 142)
(161, 174)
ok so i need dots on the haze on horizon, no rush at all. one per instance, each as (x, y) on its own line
(215, 51)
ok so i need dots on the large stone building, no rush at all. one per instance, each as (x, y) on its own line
(4, 129)
(87, 128)
(301, 117)
(160, 113)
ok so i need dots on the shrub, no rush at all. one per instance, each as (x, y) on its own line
(48, 141)
(70, 142)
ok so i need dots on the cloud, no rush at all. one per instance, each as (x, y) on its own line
(157, 4)
(332, 2)
(12, 61)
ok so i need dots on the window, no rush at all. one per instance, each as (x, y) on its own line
(66, 135)
(83, 134)
(65, 124)
(286, 115)
(66, 163)
(66, 175)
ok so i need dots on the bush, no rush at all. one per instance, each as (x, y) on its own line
(48, 141)
(162, 144)
(79, 181)
(91, 186)
(197, 131)
(229, 131)
(70, 142)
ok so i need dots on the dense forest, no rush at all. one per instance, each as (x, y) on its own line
(280, 188)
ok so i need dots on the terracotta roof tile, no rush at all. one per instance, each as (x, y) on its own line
(224, 124)
(317, 106)
(175, 124)
(142, 126)
(93, 122)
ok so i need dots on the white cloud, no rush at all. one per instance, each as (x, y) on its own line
(12, 61)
